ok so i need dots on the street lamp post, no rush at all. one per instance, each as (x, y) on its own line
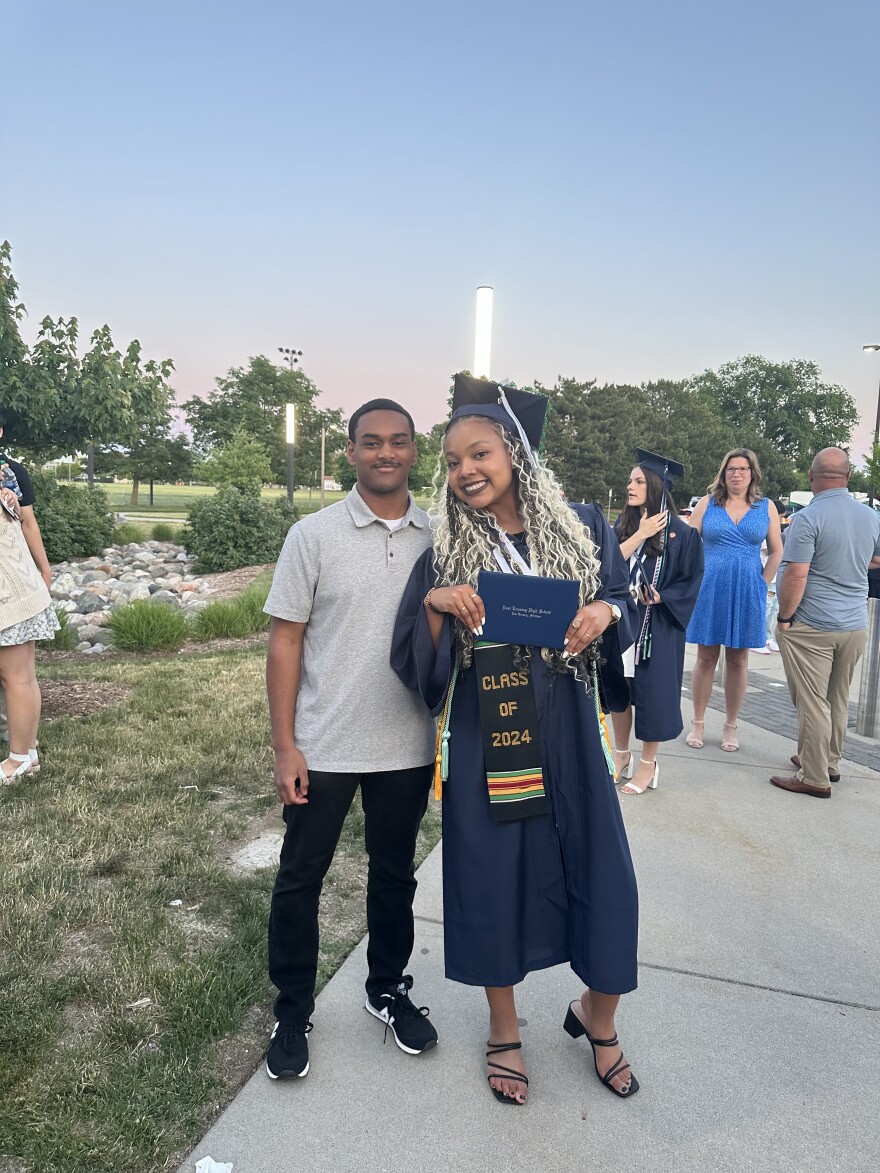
(875, 489)
(290, 427)
(291, 357)
(483, 331)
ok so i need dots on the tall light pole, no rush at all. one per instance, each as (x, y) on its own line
(290, 429)
(871, 349)
(291, 357)
(483, 332)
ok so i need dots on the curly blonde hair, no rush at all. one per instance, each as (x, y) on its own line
(559, 545)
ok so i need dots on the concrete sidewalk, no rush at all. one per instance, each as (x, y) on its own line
(755, 1032)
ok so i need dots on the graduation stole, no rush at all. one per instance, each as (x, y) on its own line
(637, 576)
(509, 722)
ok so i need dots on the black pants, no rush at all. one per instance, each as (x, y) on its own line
(394, 802)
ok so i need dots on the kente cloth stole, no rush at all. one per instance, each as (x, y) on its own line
(511, 740)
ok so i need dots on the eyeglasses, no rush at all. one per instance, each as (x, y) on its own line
(738, 472)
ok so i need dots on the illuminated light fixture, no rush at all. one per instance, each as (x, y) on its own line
(483, 335)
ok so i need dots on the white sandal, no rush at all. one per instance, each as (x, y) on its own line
(25, 766)
(627, 771)
(630, 788)
(693, 739)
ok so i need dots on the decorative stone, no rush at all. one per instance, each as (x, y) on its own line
(92, 649)
(89, 603)
(89, 632)
(94, 576)
(66, 605)
(141, 591)
(83, 647)
(165, 597)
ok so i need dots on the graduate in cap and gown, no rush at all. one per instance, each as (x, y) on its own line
(536, 864)
(665, 559)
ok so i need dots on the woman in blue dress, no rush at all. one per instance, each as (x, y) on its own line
(734, 520)
(533, 883)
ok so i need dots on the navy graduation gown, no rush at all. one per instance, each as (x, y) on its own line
(559, 887)
(656, 687)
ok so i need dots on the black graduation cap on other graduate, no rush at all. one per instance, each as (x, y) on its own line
(472, 396)
(667, 470)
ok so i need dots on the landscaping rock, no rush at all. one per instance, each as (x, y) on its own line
(88, 591)
(166, 597)
(90, 602)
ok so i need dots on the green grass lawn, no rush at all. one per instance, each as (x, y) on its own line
(175, 500)
(126, 1021)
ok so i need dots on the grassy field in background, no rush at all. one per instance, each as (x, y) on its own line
(175, 500)
(126, 1020)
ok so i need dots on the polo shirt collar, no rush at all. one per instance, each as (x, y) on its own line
(363, 515)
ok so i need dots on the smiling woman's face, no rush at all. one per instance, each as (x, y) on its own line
(478, 466)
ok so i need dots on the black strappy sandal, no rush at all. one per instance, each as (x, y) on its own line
(576, 1028)
(497, 1049)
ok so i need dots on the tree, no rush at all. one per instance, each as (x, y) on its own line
(781, 410)
(253, 398)
(12, 349)
(154, 456)
(57, 401)
(872, 471)
(242, 463)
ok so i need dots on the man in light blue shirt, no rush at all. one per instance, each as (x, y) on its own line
(823, 617)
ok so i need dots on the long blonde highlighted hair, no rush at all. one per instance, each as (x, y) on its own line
(718, 489)
(559, 545)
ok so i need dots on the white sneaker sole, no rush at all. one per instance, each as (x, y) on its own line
(382, 1015)
(272, 1074)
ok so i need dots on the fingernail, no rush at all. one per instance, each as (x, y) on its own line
(565, 655)
(565, 641)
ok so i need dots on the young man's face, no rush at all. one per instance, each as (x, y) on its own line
(382, 452)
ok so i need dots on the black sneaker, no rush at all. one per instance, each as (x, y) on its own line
(288, 1054)
(409, 1024)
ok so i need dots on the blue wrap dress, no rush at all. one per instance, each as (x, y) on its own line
(558, 887)
(732, 604)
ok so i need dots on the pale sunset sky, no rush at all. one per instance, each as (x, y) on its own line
(652, 189)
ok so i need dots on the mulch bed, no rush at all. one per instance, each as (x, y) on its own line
(79, 698)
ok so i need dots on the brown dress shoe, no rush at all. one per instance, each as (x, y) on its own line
(797, 787)
(796, 761)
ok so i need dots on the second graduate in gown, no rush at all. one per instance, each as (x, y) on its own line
(536, 865)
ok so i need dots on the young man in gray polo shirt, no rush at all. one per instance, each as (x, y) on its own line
(341, 719)
(823, 617)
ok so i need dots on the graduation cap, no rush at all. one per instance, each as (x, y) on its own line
(667, 470)
(521, 413)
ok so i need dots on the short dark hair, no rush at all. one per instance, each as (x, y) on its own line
(379, 405)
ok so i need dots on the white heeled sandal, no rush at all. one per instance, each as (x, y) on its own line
(652, 785)
(25, 766)
(627, 771)
(35, 760)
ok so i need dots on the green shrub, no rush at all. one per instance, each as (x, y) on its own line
(127, 532)
(236, 528)
(147, 627)
(233, 618)
(65, 638)
(74, 522)
(163, 532)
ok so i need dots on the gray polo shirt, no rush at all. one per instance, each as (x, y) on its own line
(342, 572)
(838, 536)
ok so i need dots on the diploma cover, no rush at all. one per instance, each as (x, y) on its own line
(527, 609)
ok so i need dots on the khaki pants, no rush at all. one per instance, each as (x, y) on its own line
(819, 667)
